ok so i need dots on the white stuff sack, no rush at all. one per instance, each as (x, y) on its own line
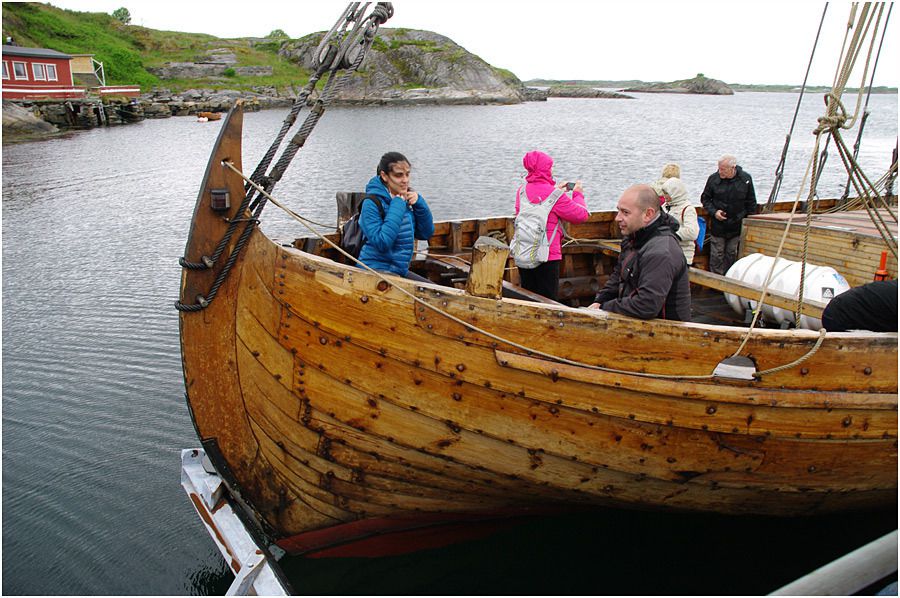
(530, 246)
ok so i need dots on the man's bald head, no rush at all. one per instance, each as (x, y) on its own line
(637, 207)
(647, 198)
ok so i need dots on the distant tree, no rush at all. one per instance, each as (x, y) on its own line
(278, 34)
(229, 72)
(122, 14)
(700, 75)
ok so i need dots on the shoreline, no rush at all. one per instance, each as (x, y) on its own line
(55, 118)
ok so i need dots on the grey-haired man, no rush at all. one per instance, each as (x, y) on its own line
(728, 198)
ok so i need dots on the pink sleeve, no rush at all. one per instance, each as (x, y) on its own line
(572, 209)
(519, 190)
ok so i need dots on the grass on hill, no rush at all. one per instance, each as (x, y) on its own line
(127, 50)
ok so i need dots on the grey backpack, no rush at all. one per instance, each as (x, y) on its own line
(530, 246)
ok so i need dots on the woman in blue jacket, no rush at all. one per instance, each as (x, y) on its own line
(391, 238)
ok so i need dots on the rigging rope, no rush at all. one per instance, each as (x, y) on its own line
(258, 173)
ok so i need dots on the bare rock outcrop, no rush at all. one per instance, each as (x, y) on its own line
(21, 123)
(407, 66)
(213, 64)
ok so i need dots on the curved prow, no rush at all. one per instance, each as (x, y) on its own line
(219, 202)
(208, 336)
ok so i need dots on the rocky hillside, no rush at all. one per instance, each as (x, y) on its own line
(414, 66)
(404, 65)
(699, 85)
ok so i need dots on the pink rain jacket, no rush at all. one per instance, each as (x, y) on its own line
(539, 186)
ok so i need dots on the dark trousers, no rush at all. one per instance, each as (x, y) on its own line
(543, 280)
(722, 253)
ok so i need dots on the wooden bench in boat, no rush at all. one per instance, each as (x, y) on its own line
(774, 297)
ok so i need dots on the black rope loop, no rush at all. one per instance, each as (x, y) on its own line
(202, 303)
(819, 166)
(205, 263)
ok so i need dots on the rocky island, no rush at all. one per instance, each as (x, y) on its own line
(699, 85)
(584, 91)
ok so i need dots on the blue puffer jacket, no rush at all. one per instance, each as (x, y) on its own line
(390, 242)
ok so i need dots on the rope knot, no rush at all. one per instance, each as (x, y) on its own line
(382, 12)
(836, 115)
(830, 123)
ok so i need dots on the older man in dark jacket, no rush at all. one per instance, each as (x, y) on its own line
(650, 279)
(728, 198)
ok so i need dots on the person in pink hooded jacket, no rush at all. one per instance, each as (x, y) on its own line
(539, 184)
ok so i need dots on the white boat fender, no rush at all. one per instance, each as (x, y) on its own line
(821, 283)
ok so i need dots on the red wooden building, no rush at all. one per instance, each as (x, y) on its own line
(33, 73)
(39, 73)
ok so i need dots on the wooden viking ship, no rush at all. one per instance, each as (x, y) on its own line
(352, 412)
(346, 406)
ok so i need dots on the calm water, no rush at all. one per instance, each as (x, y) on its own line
(93, 409)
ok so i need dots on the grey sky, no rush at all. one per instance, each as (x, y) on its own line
(738, 42)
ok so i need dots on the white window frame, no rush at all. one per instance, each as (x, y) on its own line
(5, 70)
(51, 68)
(24, 70)
(38, 71)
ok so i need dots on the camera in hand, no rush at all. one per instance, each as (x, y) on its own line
(570, 185)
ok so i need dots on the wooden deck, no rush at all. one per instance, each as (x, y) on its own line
(849, 242)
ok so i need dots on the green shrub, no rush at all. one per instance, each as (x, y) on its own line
(122, 14)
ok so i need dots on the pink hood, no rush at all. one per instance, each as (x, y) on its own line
(539, 166)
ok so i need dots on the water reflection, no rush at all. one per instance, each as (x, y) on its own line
(213, 578)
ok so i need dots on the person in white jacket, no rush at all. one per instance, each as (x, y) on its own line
(678, 205)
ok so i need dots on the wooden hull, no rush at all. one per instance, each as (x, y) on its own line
(335, 398)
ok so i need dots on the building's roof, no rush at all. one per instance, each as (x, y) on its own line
(34, 52)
